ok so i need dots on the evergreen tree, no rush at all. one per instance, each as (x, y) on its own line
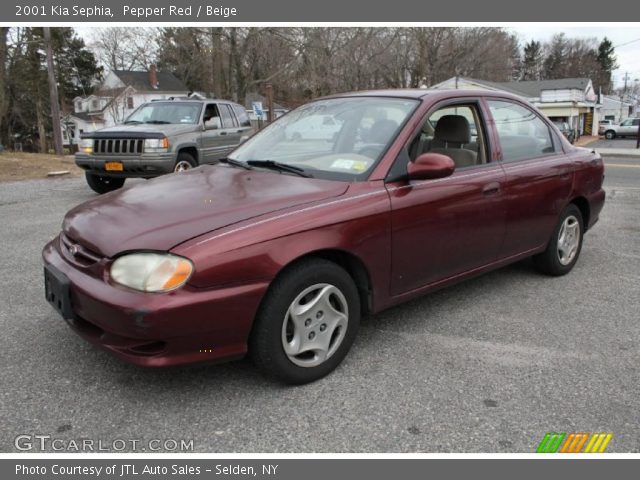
(607, 61)
(531, 68)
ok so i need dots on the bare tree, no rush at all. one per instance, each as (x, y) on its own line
(125, 48)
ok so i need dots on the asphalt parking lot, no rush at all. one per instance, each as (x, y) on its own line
(490, 365)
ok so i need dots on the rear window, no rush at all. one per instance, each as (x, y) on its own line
(241, 115)
(228, 121)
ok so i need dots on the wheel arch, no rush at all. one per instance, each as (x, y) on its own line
(585, 209)
(352, 264)
(191, 150)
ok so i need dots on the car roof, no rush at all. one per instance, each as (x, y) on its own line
(419, 93)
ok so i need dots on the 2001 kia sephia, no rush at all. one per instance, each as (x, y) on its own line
(281, 248)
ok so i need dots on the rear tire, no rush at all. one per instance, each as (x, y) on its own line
(609, 134)
(306, 323)
(100, 184)
(565, 244)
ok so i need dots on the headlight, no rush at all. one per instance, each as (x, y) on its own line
(151, 272)
(86, 145)
(156, 144)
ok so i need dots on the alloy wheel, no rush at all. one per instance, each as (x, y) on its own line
(315, 325)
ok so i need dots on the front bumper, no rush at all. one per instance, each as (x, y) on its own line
(155, 330)
(145, 165)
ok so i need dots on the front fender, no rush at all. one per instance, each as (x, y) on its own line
(358, 223)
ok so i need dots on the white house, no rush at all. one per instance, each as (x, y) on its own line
(613, 108)
(571, 100)
(119, 94)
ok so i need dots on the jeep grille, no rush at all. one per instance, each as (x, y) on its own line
(120, 146)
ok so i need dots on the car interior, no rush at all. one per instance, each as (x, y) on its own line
(453, 131)
(211, 117)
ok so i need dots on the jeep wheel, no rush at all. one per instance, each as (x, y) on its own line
(610, 135)
(184, 162)
(100, 184)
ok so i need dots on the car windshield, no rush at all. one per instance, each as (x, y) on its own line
(340, 138)
(166, 112)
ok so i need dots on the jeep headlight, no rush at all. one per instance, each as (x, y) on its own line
(156, 145)
(86, 145)
(151, 272)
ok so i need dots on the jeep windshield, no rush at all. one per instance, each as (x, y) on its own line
(336, 139)
(160, 113)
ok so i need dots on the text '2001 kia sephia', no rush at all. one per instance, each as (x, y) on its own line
(341, 208)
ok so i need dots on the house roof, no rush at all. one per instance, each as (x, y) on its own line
(534, 88)
(167, 81)
(84, 116)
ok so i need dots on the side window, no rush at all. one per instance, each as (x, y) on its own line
(455, 131)
(211, 111)
(227, 117)
(521, 132)
(241, 115)
(636, 121)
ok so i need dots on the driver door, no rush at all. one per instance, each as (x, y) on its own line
(445, 227)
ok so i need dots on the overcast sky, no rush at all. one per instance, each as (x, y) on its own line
(625, 39)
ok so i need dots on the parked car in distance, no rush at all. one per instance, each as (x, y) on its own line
(568, 132)
(279, 254)
(315, 127)
(627, 128)
(162, 137)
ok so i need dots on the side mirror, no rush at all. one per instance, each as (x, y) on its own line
(430, 166)
(212, 124)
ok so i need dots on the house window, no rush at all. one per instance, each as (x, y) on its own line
(94, 104)
(78, 106)
(130, 103)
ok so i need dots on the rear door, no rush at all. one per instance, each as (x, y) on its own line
(445, 227)
(231, 130)
(538, 176)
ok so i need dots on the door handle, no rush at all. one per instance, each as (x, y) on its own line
(491, 188)
(223, 133)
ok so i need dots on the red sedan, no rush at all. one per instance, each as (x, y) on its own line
(281, 248)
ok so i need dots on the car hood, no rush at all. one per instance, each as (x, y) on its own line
(142, 128)
(166, 211)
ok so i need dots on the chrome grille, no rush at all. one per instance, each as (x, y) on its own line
(120, 146)
(77, 252)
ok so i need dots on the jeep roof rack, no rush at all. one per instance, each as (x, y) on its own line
(183, 99)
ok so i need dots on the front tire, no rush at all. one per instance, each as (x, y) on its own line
(100, 184)
(307, 322)
(184, 162)
(565, 244)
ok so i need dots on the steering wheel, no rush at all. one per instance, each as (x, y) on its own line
(371, 151)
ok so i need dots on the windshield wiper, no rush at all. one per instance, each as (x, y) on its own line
(157, 122)
(128, 122)
(236, 163)
(282, 167)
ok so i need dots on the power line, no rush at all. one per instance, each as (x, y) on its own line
(626, 43)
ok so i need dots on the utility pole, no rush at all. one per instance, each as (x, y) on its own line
(269, 89)
(53, 95)
(624, 93)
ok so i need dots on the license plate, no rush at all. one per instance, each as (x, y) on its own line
(56, 290)
(113, 167)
